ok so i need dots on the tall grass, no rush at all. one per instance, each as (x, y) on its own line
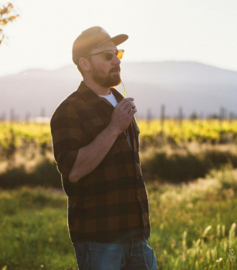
(193, 225)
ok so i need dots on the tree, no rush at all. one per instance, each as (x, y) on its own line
(7, 14)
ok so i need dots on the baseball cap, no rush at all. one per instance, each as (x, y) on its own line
(91, 38)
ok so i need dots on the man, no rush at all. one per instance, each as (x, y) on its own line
(95, 140)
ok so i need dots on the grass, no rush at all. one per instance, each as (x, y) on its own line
(186, 161)
(193, 225)
(34, 230)
(178, 163)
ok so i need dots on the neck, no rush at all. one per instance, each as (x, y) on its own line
(98, 89)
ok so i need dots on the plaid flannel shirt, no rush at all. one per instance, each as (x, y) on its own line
(110, 203)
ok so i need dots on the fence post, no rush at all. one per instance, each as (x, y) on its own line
(162, 117)
(162, 122)
(12, 115)
(148, 117)
(3, 116)
(221, 116)
(180, 116)
(27, 117)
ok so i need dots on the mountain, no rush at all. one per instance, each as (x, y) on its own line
(192, 86)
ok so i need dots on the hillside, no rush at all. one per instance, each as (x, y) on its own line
(192, 86)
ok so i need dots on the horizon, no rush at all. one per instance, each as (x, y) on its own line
(126, 62)
(193, 86)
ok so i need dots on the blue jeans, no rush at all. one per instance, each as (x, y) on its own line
(129, 255)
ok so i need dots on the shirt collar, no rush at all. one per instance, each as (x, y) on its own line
(92, 98)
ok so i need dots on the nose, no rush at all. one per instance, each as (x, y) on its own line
(116, 61)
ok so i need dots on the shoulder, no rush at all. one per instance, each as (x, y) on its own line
(68, 108)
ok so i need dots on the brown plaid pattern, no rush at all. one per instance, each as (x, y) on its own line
(109, 204)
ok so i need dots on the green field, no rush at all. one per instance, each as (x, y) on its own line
(193, 225)
(193, 219)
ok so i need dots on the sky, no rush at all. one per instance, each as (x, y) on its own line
(159, 30)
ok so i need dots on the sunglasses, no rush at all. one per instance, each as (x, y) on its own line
(109, 54)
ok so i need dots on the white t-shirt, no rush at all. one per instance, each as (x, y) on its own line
(111, 98)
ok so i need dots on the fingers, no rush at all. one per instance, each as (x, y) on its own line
(123, 114)
(125, 109)
(125, 101)
(129, 98)
(132, 112)
(126, 104)
(128, 108)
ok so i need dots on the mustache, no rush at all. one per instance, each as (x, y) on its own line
(115, 69)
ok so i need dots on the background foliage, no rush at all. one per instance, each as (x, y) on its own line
(7, 14)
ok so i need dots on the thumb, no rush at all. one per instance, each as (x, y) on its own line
(130, 98)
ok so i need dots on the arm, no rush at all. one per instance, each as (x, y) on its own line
(90, 156)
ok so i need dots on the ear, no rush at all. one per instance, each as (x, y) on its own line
(84, 64)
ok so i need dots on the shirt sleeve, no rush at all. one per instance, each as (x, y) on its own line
(68, 137)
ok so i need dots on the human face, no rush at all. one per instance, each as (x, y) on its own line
(105, 73)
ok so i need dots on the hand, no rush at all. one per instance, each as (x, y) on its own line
(123, 114)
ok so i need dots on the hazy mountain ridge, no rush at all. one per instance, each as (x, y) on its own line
(192, 86)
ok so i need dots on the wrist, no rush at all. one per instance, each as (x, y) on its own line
(113, 131)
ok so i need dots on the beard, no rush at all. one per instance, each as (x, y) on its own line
(106, 80)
